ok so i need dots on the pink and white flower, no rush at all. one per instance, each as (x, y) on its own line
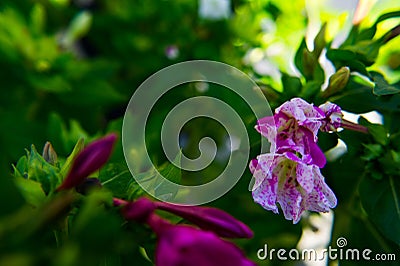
(286, 180)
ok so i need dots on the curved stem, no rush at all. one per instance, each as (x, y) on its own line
(353, 126)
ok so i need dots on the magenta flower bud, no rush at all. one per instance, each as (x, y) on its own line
(119, 202)
(211, 219)
(92, 158)
(138, 210)
(333, 117)
(189, 246)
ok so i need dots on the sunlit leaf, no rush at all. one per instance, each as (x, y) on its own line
(382, 87)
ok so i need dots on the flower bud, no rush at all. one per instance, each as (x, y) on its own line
(49, 154)
(333, 117)
(138, 210)
(94, 156)
(212, 219)
(337, 82)
(189, 246)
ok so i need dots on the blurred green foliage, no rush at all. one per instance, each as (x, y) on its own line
(68, 69)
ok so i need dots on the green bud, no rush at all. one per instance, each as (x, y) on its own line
(337, 82)
(49, 154)
(319, 41)
(79, 27)
(309, 63)
(38, 18)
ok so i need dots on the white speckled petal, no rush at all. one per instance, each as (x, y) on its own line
(265, 194)
(290, 199)
(305, 177)
(322, 198)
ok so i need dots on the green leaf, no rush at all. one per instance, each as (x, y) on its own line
(366, 51)
(134, 190)
(395, 156)
(380, 199)
(382, 87)
(299, 57)
(10, 197)
(389, 163)
(360, 67)
(21, 169)
(68, 163)
(291, 85)
(307, 63)
(346, 57)
(96, 229)
(319, 41)
(395, 140)
(38, 18)
(340, 55)
(171, 173)
(117, 179)
(372, 151)
(49, 83)
(31, 190)
(357, 35)
(368, 34)
(366, 100)
(79, 27)
(62, 137)
(378, 132)
(93, 92)
(311, 89)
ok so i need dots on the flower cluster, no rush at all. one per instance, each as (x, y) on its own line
(188, 245)
(291, 176)
(177, 244)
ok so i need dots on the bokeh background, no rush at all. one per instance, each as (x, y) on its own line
(69, 67)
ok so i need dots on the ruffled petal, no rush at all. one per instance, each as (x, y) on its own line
(266, 194)
(322, 198)
(305, 177)
(266, 127)
(290, 198)
(304, 113)
(266, 181)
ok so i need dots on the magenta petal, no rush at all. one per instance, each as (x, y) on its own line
(253, 165)
(185, 245)
(266, 127)
(138, 210)
(210, 219)
(318, 157)
(266, 194)
(94, 156)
